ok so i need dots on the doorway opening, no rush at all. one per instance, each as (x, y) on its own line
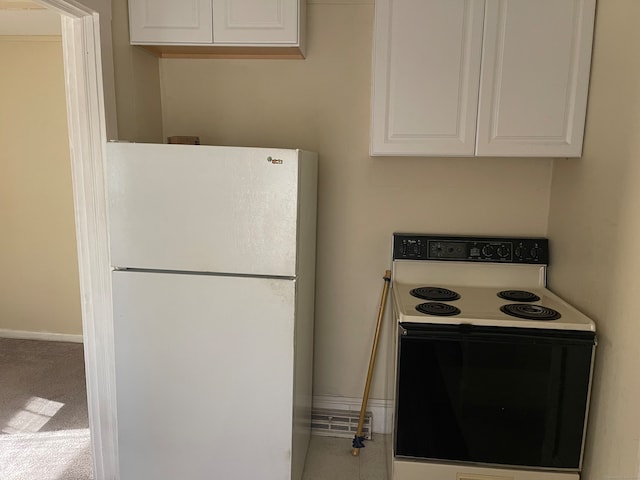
(86, 121)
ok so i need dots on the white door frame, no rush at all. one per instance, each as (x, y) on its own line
(87, 142)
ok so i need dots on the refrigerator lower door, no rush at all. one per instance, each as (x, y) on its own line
(204, 376)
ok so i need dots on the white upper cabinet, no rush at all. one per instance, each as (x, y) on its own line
(178, 24)
(426, 69)
(476, 77)
(535, 77)
(251, 21)
(185, 21)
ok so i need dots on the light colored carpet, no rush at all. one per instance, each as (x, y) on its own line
(44, 428)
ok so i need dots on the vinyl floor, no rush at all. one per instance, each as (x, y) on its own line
(329, 458)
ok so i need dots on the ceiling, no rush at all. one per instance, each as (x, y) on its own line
(25, 17)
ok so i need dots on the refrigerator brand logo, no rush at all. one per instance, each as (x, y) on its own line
(275, 161)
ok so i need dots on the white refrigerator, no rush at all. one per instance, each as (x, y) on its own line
(213, 256)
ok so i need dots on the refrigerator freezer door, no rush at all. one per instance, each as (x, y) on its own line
(199, 208)
(204, 376)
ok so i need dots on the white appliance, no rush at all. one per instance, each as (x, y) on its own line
(213, 255)
(493, 370)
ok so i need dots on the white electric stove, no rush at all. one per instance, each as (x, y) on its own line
(497, 306)
(493, 369)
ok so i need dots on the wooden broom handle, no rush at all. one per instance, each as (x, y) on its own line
(372, 360)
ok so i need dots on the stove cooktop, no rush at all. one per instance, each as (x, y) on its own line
(486, 306)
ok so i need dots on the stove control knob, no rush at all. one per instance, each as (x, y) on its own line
(487, 250)
(520, 252)
(535, 252)
(503, 251)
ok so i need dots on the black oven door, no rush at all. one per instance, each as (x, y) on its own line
(494, 395)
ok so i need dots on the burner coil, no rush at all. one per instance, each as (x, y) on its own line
(518, 296)
(437, 294)
(438, 309)
(530, 312)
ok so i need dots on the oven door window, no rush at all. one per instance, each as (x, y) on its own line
(490, 395)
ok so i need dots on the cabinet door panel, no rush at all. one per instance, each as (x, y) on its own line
(534, 80)
(170, 21)
(426, 70)
(255, 22)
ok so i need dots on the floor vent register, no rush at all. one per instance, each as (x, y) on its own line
(340, 423)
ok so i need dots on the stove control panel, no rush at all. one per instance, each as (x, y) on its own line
(408, 246)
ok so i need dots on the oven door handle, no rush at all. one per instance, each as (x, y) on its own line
(477, 333)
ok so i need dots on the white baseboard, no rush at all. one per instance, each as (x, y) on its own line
(381, 410)
(51, 337)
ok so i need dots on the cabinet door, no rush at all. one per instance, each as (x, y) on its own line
(255, 22)
(170, 21)
(535, 77)
(426, 68)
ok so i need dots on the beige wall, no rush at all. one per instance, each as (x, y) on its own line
(137, 84)
(39, 280)
(594, 227)
(322, 104)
